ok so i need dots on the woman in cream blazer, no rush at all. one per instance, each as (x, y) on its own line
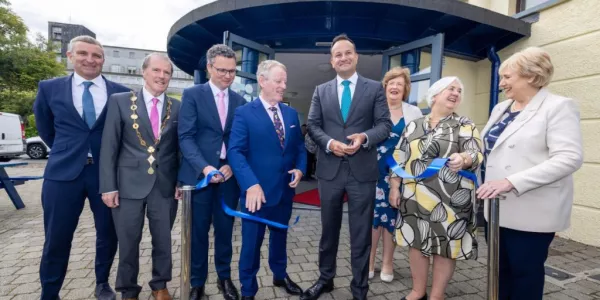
(533, 145)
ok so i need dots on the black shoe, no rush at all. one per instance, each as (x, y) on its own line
(228, 289)
(316, 290)
(197, 293)
(105, 292)
(290, 287)
(247, 297)
(422, 298)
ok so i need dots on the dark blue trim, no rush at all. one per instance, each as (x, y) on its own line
(495, 79)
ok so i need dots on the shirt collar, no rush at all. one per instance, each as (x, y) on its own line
(353, 79)
(267, 105)
(98, 81)
(148, 97)
(215, 90)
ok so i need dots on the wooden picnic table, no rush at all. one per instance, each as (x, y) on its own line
(8, 183)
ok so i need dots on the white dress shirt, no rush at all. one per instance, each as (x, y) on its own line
(340, 91)
(98, 90)
(159, 105)
(272, 114)
(215, 92)
(340, 86)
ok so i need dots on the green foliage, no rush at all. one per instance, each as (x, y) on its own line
(17, 102)
(22, 63)
(31, 129)
(174, 96)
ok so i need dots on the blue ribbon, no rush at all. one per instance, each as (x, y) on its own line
(436, 165)
(234, 213)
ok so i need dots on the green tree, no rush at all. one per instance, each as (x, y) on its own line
(22, 63)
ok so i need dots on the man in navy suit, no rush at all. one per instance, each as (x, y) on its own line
(69, 114)
(267, 155)
(204, 125)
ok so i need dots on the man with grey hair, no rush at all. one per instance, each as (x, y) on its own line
(138, 174)
(204, 126)
(69, 113)
(268, 157)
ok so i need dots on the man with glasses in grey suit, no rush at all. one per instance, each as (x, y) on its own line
(348, 117)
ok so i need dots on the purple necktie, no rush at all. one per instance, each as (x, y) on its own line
(223, 117)
(154, 117)
(278, 126)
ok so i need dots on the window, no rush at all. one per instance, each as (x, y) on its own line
(57, 33)
(57, 46)
(131, 54)
(527, 4)
(115, 69)
(132, 70)
(115, 53)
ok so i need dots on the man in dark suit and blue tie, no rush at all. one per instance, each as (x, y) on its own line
(69, 113)
(267, 155)
(348, 117)
(204, 125)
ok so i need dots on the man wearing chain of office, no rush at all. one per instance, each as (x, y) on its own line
(139, 159)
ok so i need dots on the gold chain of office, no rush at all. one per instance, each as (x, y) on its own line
(134, 116)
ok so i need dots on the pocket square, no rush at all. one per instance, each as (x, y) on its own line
(292, 126)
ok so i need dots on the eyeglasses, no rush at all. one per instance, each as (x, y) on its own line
(223, 72)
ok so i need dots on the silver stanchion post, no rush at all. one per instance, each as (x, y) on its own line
(493, 247)
(186, 246)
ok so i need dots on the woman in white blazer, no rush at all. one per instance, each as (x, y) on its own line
(532, 147)
(396, 83)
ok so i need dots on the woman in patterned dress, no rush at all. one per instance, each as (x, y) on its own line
(396, 83)
(436, 214)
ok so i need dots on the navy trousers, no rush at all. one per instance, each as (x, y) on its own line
(253, 234)
(522, 258)
(206, 209)
(62, 202)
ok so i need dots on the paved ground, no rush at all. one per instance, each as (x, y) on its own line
(21, 241)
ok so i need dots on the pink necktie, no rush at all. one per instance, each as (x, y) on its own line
(154, 117)
(223, 116)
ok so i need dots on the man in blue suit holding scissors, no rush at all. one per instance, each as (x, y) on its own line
(69, 114)
(267, 155)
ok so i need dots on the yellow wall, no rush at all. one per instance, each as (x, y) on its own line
(570, 32)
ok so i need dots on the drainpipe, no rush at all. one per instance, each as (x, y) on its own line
(494, 89)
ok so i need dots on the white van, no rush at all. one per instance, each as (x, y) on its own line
(12, 136)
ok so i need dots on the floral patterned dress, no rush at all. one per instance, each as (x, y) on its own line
(437, 214)
(384, 214)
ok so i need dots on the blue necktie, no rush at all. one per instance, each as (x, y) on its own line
(346, 99)
(89, 112)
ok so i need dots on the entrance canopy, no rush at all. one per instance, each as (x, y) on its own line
(374, 25)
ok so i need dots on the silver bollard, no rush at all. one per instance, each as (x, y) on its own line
(186, 246)
(493, 247)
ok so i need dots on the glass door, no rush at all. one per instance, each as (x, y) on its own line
(249, 54)
(424, 59)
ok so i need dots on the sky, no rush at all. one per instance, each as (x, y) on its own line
(127, 23)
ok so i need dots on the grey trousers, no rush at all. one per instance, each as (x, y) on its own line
(129, 222)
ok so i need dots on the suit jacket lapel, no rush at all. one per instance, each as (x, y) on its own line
(359, 90)
(211, 106)
(525, 115)
(262, 115)
(109, 91)
(68, 97)
(334, 100)
(230, 110)
(287, 123)
(143, 118)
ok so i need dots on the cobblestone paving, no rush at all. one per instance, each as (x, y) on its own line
(22, 238)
